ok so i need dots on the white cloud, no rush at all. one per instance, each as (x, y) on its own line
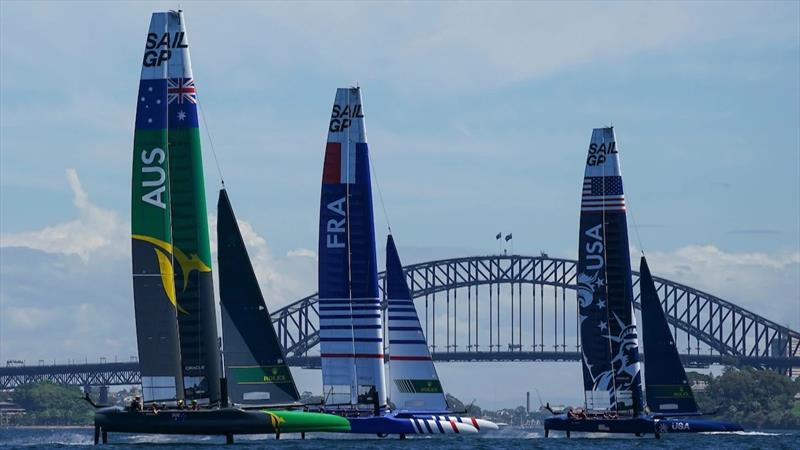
(767, 284)
(302, 253)
(96, 229)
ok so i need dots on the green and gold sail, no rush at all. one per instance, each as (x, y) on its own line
(173, 288)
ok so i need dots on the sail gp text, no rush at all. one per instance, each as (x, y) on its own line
(335, 228)
(159, 50)
(597, 154)
(342, 118)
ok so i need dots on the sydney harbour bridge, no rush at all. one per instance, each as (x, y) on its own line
(503, 308)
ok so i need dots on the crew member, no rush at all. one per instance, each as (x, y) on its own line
(136, 404)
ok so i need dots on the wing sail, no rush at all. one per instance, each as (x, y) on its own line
(351, 343)
(609, 342)
(154, 295)
(197, 322)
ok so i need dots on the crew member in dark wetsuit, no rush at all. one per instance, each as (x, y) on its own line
(195, 407)
(373, 393)
(136, 404)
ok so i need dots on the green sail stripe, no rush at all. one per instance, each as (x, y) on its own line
(150, 185)
(189, 212)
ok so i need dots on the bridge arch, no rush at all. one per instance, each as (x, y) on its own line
(721, 330)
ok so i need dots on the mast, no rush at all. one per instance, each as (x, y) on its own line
(154, 297)
(414, 383)
(351, 344)
(167, 53)
(609, 342)
(666, 385)
(255, 364)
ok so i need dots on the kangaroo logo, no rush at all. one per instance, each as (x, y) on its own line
(166, 253)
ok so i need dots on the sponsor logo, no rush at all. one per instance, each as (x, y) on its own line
(342, 118)
(335, 228)
(159, 48)
(598, 153)
(276, 420)
(167, 254)
(680, 426)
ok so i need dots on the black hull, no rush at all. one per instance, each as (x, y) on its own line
(227, 421)
(638, 425)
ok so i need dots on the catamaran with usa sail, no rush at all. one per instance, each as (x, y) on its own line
(351, 338)
(608, 331)
(179, 356)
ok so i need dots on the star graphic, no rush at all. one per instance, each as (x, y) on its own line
(181, 115)
(600, 282)
(602, 326)
(601, 304)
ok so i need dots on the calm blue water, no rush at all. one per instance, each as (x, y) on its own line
(508, 438)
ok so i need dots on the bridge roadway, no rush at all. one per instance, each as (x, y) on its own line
(127, 373)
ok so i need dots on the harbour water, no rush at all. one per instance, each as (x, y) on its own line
(507, 438)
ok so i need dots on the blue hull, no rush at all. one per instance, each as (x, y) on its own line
(638, 425)
(381, 425)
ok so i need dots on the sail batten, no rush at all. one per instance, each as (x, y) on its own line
(255, 364)
(351, 343)
(609, 341)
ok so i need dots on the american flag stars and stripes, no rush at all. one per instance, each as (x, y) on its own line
(602, 194)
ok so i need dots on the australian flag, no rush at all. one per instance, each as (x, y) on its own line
(151, 109)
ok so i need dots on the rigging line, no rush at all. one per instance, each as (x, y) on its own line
(354, 379)
(210, 141)
(605, 285)
(380, 196)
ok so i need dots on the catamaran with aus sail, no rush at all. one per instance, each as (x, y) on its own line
(177, 338)
(608, 332)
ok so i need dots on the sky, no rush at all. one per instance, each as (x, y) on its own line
(478, 118)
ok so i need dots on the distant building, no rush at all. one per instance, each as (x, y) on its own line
(699, 386)
(9, 412)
